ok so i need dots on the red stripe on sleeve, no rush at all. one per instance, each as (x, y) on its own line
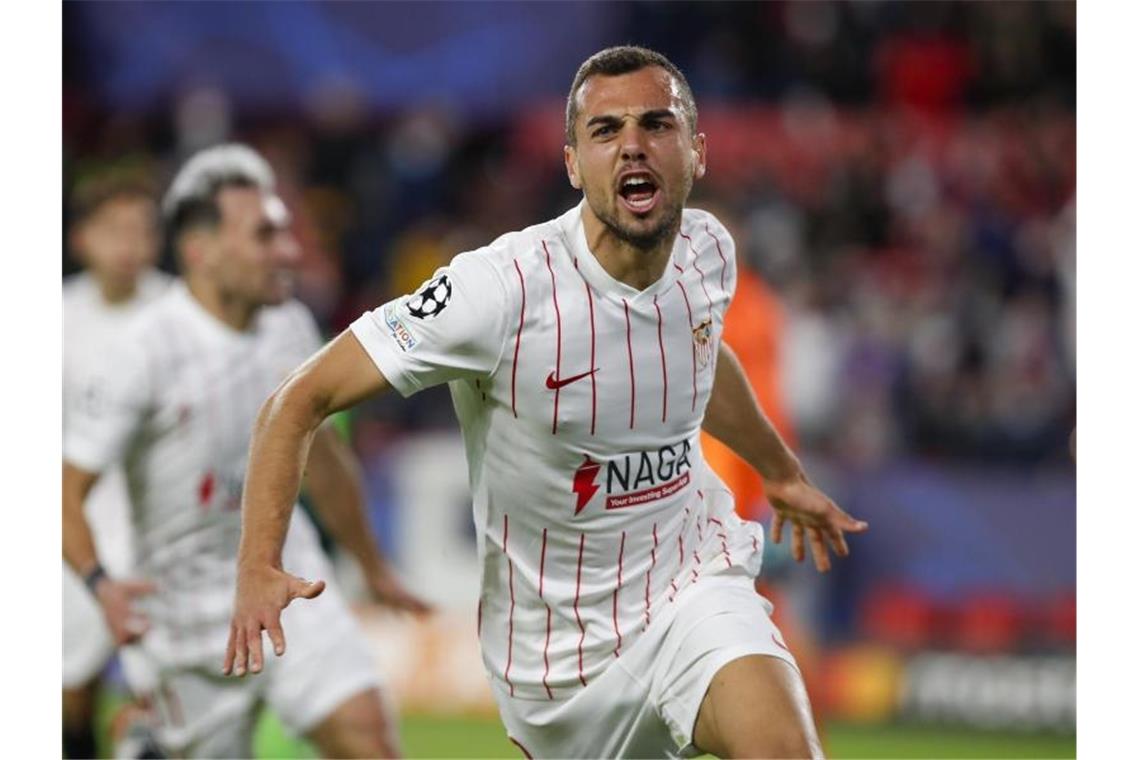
(629, 347)
(558, 322)
(692, 343)
(664, 371)
(723, 260)
(649, 573)
(577, 596)
(511, 615)
(518, 338)
(621, 555)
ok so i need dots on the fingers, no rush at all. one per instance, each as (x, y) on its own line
(836, 541)
(231, 651)
(136, 587)
(818, 550)
(276, 635)
(303, 589)
(778, 528)
(241, 653)
(797, 542)
(253, 641)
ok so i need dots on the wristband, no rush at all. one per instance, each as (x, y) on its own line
(96, 574)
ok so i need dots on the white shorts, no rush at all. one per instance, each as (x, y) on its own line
(645, 704)
(327, 660)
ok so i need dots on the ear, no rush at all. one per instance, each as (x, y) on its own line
(700, 155)
(570, 156)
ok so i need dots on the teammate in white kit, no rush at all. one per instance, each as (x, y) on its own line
(617, 615)
(176, 401)
(114, 235)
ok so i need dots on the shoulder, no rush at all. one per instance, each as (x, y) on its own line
(697, 222)
(289, 317)
(153, 283)
(76, 289)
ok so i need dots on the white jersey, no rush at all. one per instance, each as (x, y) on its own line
(581, 401)
(90, 325)
(176, 405)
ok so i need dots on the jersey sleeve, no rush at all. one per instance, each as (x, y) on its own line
(453, 326)
(110, 403)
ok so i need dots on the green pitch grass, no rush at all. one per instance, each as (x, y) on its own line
(435, 737)
(429, 736)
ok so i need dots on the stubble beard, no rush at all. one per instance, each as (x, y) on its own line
(645, 240)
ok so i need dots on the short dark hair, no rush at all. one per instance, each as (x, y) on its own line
(192, 199)
(97, 187)
(625, 59)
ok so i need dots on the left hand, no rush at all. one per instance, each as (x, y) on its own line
(388, 590)
(810, 512)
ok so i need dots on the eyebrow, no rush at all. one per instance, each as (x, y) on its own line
(655, 114)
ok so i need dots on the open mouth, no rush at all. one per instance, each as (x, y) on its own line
(638, 192)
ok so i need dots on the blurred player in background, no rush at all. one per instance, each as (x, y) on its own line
(114, 236)
(617, 614)
(177, 401)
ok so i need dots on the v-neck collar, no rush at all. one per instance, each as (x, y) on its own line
(573, 232)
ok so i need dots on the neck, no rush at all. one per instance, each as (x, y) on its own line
(231, 311)
(116, 292)
(637, 267)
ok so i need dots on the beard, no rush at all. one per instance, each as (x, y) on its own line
(642, 238)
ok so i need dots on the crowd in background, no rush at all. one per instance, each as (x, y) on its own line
(902, 174)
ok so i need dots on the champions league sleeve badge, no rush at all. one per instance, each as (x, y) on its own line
(702, 342)
(430, 299)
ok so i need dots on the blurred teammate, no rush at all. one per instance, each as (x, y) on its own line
(177, 401)
(114, 235)
(617, 613)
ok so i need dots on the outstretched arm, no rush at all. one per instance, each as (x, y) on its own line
(333, 482)
(338, 376)
(735, 418)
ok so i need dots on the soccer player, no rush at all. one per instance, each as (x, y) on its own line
(617, 613)
(114, 235)
(176, 400)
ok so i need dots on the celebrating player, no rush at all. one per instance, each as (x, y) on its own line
(114, 235)
(174, 402)
(617, 613)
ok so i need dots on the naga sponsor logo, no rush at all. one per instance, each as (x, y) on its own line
(400, 332)
(636, 478)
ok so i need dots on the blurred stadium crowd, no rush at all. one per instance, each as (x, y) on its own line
(902, 175)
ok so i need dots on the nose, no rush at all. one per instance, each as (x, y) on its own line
(286, 249)
(632, 143)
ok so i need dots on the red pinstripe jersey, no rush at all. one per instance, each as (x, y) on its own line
(581, 401)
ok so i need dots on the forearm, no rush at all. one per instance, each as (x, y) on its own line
(278, 450)
(78, 544)
(735, 418)
(333, 481)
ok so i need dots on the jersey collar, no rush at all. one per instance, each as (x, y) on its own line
(574, 235)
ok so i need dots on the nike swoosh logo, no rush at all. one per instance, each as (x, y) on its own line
(554, 384)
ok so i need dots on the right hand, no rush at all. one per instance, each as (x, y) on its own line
(116, 597)
(262, 593)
